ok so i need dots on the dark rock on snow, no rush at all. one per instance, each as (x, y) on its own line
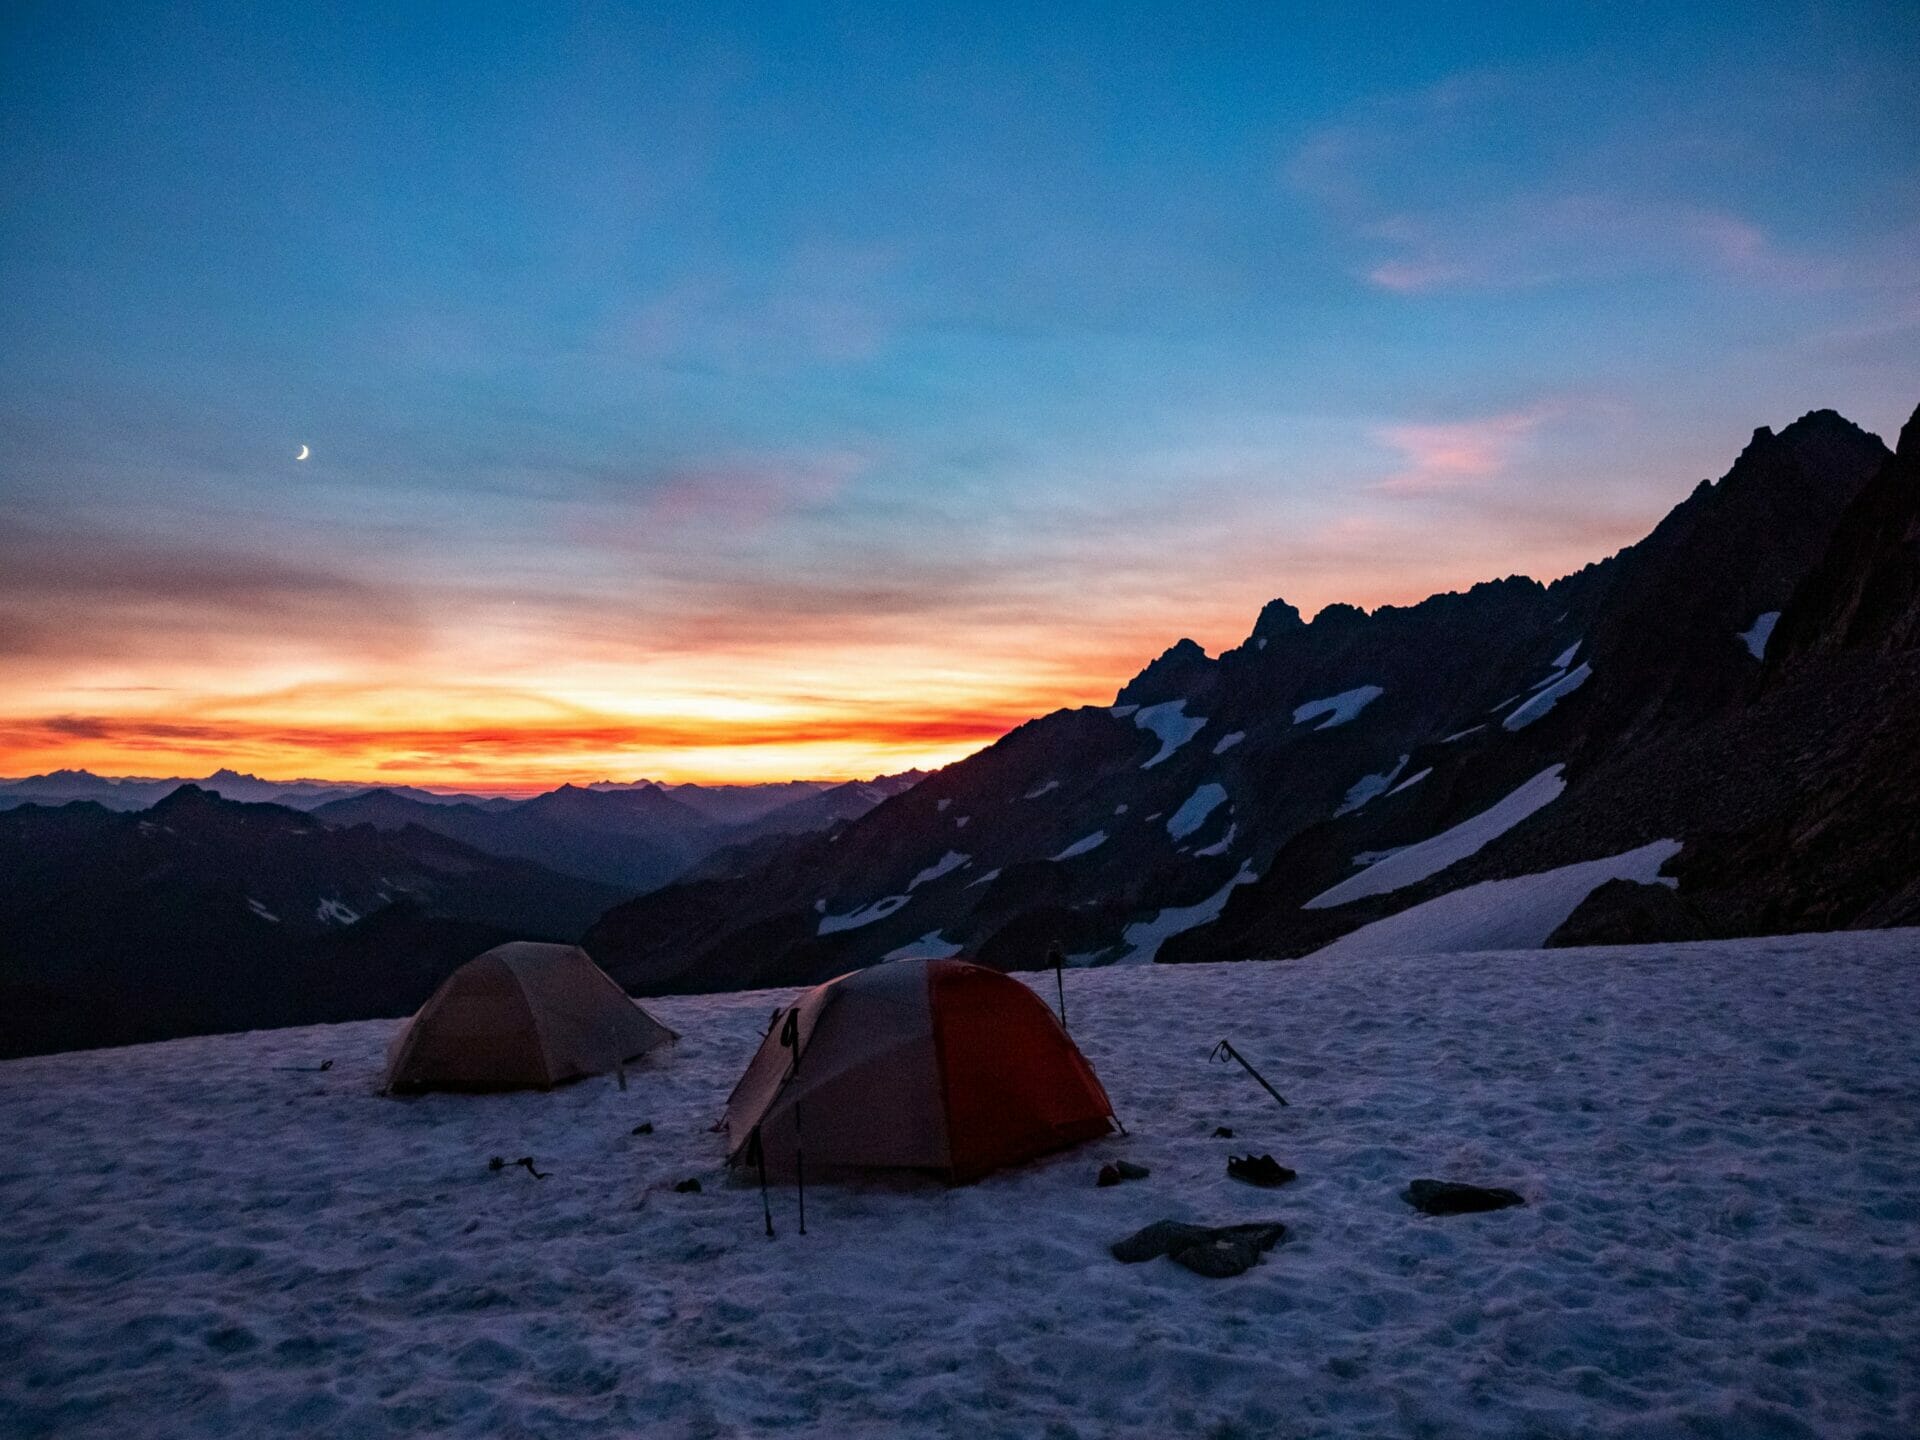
(1452, 1197)
(1261, 1170)
(1214, 1251)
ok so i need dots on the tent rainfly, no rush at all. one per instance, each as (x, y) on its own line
(521, 1016)
(916, 1064)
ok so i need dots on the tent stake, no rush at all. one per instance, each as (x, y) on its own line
(1233, 1054)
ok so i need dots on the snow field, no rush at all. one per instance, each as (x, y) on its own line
(1718, 1144)
(1410, 863)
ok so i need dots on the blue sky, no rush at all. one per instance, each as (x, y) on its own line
(887, 361)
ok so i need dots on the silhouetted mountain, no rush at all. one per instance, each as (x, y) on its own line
(138, 792)
(1197, 817)
(203, 913)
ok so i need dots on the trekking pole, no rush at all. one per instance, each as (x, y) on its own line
(790, 1038)
(1233, 1054)
(758, 1154)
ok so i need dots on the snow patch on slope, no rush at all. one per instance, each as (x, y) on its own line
(261, 910)
(1194, 812)
(1227, 742)
(1222, 845)
(1045, 788)
(928, 947)
(1755, 636)
(1434, 854)
(333, 911)
(1145, 937)
(865, 915)
(1338, 709)
(945, 865)
(1516, 914)
(1546, 699)
(1411, 781)
(1368, 786)
(1083, 845)
(1171, 725)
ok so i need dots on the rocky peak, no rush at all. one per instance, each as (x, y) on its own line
(1169, 677)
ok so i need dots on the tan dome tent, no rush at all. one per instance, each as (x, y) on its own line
(521, 1016)
(918, 1064)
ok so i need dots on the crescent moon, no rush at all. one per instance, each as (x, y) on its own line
(304, 453)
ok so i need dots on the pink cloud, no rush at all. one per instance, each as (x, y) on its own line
(1458, 454)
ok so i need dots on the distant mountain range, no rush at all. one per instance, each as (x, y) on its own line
(1742, 682)
(719, 804)
(202, 912)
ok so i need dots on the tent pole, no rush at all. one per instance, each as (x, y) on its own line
(1059, 980)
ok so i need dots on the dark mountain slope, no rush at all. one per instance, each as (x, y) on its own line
(202, 914)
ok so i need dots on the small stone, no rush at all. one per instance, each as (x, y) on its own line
(688, 1187)
(644, 1128)
(1223, 1132)
(1130, 1171)
(1452, 1197)
(1109, 1176)
(1262, 1170)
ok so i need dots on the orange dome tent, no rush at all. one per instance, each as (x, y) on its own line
(916, 1064)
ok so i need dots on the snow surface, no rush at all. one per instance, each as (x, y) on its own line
(1717, 1143)
(1515, 914)
(928, 947)
(985, 879)
(261, 910)
(1565, 657)
(1547, 698)
(1145, 937)
(1432, 855)
(1369, 786)
(1083, 845)
(1193, 813)
(1470, 730)
(1338, 709)
(945, 865)
(1228, 741)
(1046, 788)
(334, 911)
(1171, 725)
(1755, 637)
(865, 915)
(942, 804)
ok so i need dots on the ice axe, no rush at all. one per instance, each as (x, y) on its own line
(1224, 1051)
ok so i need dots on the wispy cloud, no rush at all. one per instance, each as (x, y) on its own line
(1457, 454)
(1414, 182)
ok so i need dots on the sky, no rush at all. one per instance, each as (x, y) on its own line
(736, 393)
